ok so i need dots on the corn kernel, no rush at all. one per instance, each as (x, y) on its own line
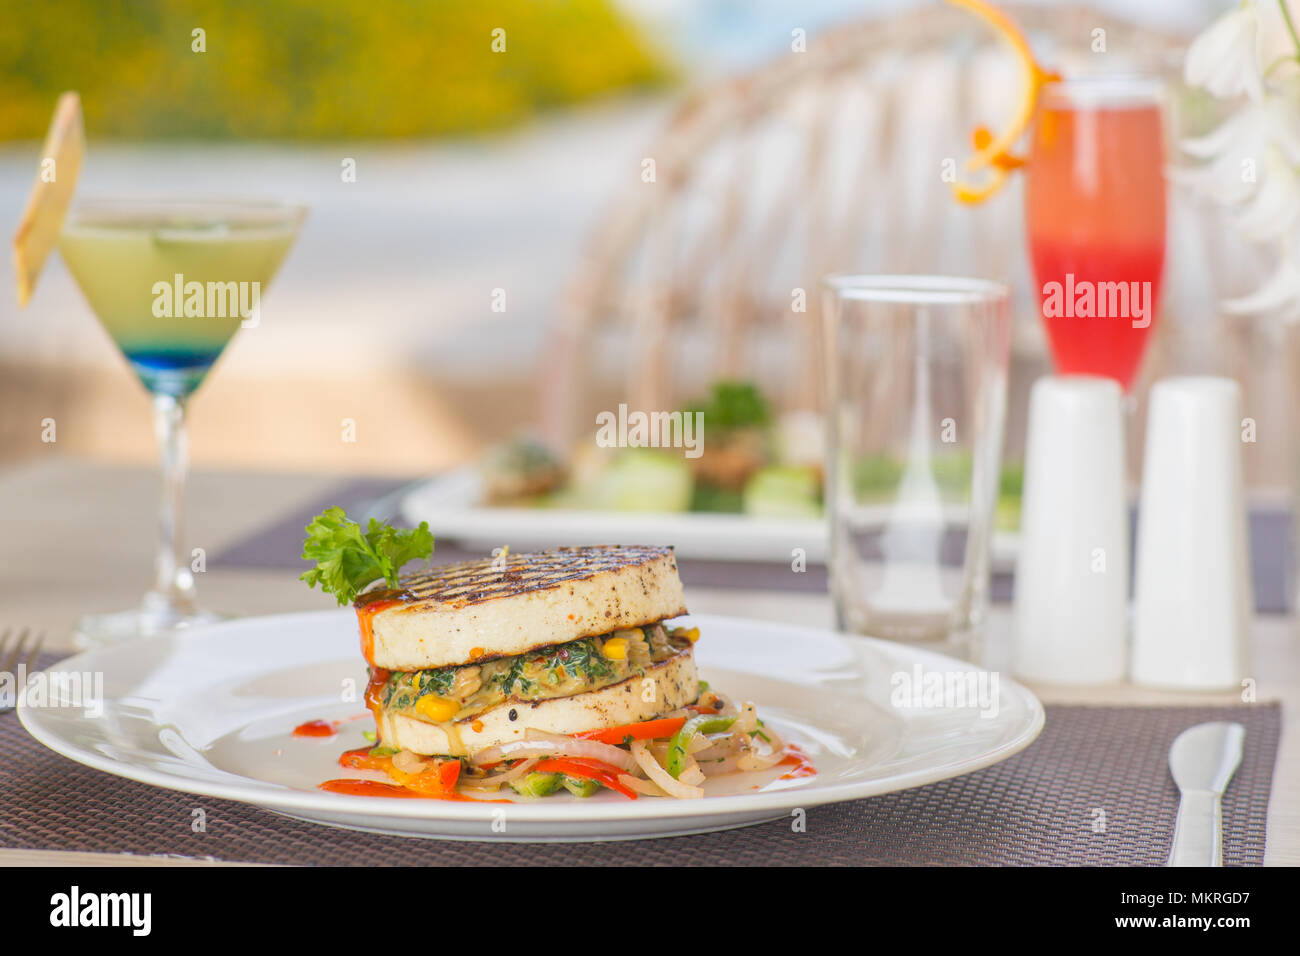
(691, 634)
(437, 708)
(615, 648)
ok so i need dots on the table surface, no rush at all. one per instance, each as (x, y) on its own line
(94, 523)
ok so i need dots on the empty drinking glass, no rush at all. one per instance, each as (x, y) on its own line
(915, 370)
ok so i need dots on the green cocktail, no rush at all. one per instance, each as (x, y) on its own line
(171, 282)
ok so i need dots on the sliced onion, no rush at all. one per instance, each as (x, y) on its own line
(722, 747)
(697, 743)
(496, 780)
(672, 787)
(747, 722)
(408, 762)
(753, 761)
(574, 747)
(717, 769)
(774, 740)
(737, 752)
(692, 776)
(538, 743)
(641, 785)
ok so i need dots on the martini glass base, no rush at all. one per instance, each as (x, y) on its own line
(153, 617)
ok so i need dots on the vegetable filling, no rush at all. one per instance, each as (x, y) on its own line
(560, 670)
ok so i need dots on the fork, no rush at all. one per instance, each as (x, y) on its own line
(25, 651)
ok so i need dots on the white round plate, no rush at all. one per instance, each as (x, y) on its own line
(211, 712)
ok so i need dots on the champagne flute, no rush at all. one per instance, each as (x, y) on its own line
(1095, 210)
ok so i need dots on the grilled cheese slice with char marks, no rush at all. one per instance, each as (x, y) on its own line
(477, 610)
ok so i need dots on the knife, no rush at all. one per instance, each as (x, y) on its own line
(1202, 761)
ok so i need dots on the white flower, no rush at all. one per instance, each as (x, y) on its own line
(1274, 211)
(1280, 293)
(1241, 155)
(1257, 178)
(1231, 153)
(1224, 59)
(1251, 163)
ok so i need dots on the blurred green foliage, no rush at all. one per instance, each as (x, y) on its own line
(309, 69)
(733, 405)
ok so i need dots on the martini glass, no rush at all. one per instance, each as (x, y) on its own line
(171, 281)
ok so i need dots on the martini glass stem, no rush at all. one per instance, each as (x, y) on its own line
(174, 582)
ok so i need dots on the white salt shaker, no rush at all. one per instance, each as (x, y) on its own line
(1192, 590)
(1071, 590)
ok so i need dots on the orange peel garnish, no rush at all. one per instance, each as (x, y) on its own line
(967, 193)
(980, 139)
(993, 152)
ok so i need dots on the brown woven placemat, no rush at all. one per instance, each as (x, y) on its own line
(1093, 789)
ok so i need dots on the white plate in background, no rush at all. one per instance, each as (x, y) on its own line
(453, 505)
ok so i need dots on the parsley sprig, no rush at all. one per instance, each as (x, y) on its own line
(349, 559)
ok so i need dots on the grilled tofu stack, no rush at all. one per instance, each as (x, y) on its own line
(467, 656)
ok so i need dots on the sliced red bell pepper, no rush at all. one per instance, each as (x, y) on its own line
(437, 781)
(586, 769)
(450, 773)
(440, 778)
(646, 730)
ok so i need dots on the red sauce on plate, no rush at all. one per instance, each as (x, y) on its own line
(800, 762)
(316, 728)
(323, 728)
